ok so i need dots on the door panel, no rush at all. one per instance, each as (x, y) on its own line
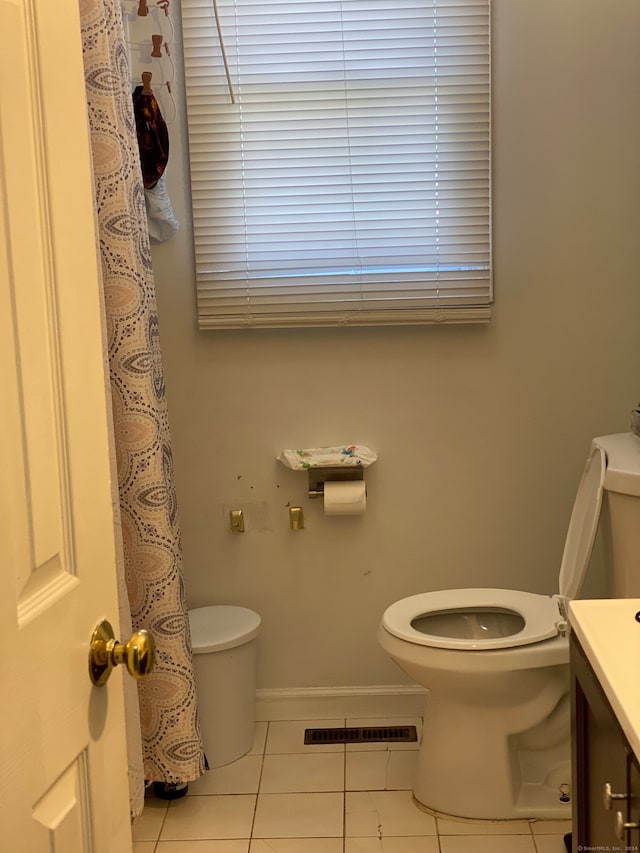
(63, 777)
(64, 811)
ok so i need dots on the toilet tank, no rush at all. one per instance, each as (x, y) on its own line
(621, 512)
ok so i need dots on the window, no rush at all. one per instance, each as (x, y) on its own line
(340, 166)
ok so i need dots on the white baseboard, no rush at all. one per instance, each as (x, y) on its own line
(327, 703)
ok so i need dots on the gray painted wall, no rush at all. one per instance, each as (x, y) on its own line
(482, 431)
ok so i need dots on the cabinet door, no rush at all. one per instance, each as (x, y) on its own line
(599, 758)
(632, 840)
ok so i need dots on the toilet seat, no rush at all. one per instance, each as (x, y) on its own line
(544, 616)
(540, 613)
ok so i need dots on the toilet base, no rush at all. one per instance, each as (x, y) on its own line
(564, 814)
(533, 801)
(472, 764)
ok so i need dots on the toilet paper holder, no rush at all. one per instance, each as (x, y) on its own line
(318, 476)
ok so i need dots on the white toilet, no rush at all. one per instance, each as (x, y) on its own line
(496, 737)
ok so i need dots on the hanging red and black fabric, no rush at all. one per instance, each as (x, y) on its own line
(153, 137)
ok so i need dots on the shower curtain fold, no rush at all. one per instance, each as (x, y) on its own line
(171, 741)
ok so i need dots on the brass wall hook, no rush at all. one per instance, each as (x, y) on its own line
(296, 518)
(237, 520)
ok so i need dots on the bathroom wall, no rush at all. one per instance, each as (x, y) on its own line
(482, 431)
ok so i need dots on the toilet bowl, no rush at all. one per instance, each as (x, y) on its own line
(496, 739)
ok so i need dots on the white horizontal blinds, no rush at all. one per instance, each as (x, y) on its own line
(349, 181)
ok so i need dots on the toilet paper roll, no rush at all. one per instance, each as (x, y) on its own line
(345, 497)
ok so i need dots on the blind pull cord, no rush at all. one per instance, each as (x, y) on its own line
(224, 52)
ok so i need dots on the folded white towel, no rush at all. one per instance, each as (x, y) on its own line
(161, 222)
(324, 457)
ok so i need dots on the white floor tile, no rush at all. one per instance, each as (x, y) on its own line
(297, 845)
(380, 771)
(288, 736)
(302, 806)
(419, 844)
(212, 817)
(299, 816)
(483, 827)
(385, 745)
(487, 844)
(552, 844)
(239, 846)
(303, 773)
(147, 827)
(239, 777)
(385, 813)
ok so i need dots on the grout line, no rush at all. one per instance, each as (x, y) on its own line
(438, 834)
(164, 820)
(344, 795)
(255, 807)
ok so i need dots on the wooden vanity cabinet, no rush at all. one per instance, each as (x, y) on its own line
(633, 814)
(601, 757)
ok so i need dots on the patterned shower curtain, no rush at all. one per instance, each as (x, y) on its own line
(171, 742)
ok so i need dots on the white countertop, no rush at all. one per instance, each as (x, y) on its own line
(610, 636)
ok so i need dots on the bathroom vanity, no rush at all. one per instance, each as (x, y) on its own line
(605, 688)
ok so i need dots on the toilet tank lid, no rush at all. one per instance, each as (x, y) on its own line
(222, 626)
(623, 462)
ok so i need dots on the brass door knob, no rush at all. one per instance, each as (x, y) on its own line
(105, 653)
(608, 796)
(620, 826)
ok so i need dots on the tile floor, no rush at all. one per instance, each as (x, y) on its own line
(284, 797)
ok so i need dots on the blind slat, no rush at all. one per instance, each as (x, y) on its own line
(350, 181)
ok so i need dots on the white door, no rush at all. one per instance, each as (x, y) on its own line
(63, 780)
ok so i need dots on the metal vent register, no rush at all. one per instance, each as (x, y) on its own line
(360, 734)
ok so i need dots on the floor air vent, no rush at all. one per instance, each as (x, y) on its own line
(360, 734)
